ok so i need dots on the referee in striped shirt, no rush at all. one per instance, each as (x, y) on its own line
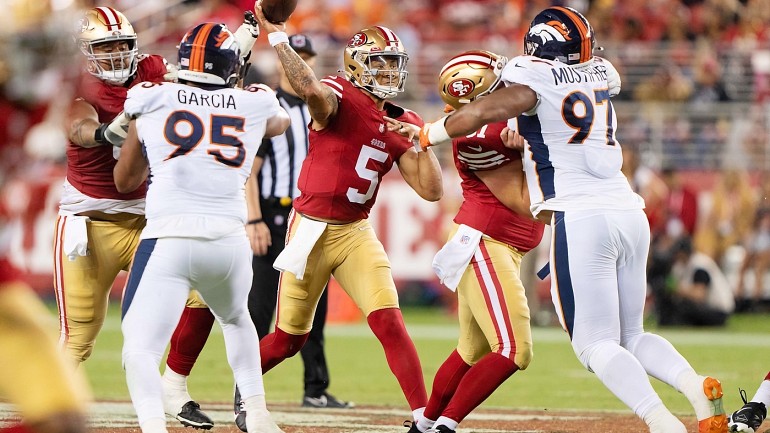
(278, 163)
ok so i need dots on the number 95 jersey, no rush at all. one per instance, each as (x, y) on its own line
(200, 145)
(572, 161)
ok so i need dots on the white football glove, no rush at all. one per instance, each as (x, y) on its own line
(114, 132)
(613, 78)
(172, 73)
(246, 34)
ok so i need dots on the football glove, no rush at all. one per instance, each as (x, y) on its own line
(171, 74)
(613, 78)
(113, 133)
(246, 34)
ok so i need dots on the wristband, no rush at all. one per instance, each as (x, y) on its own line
(99, 134)
(276, 38)
(255, 221)
(437, 132)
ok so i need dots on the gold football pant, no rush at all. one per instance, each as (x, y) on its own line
(492, 306)
(357, 260)
(35, 376)
(83, 285)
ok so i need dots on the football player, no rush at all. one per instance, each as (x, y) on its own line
(481, 261)
(557, 97)
(36, 378)
(350, 151)
(98, 227)
(199, 138)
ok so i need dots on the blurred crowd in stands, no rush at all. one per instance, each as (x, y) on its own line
(696, 78)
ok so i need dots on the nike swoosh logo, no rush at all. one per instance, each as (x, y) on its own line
(477, 149)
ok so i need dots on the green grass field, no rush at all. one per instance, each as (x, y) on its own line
(738, 355)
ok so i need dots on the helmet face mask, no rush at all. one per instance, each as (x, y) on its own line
(209, 54)
(375, 60)
(108, 41)
(469, 76)
(560, 33)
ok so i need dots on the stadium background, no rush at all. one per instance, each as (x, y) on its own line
(696, 93)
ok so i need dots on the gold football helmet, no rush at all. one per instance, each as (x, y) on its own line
(101, 25)
(470, 75)
(375, 60)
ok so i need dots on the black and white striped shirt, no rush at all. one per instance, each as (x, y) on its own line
(283, 154)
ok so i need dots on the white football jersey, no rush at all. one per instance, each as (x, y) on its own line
(572, 161)
(200, 145)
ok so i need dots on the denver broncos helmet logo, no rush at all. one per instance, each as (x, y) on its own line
(550, 31)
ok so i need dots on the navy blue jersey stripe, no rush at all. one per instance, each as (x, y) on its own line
(562, 273)
(142, 256)
(530, 128)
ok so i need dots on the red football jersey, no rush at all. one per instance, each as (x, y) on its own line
(90, 169)
(346, 160)
(484, 150)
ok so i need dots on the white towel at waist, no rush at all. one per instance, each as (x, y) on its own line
(293, 258)
(452, 259)
(75, 236)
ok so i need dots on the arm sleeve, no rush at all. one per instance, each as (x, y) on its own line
(264, 147)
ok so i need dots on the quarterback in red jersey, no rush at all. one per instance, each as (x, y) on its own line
(350, 151)
(482, 259)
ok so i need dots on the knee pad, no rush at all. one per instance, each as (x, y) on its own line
(598, 354)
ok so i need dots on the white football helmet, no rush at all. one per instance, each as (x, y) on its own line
(365, 55)
(101, 25)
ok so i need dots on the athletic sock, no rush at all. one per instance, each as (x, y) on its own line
(388, 326)
(477, 385)
(189, 338)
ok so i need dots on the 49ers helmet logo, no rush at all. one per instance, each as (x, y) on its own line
(460, 88)
(357, 40)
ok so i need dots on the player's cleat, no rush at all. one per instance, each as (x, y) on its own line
(240, 413)
(191, 415)
(326, 401)
(440, 429)
(412, 426)
(749, 417)
(717, 422)
(262, 422)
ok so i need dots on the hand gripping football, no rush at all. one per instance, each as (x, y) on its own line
(278, 11)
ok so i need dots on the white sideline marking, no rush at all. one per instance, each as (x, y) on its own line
(121, 415)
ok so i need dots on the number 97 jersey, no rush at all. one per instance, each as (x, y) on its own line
(572, 159)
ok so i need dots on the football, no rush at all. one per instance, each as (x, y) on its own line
(278, 11)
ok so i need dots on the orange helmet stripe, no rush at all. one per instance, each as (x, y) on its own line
(585, 37)
(198, 53)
